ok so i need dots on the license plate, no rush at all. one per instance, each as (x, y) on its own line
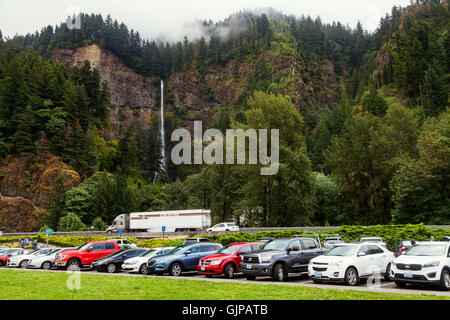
(249, 266)
(202, 268)
(318, 275)
(408, 275)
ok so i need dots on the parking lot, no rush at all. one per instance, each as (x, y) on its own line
(293, 280)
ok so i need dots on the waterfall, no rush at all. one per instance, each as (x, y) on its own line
(162, 132)
(163, 166)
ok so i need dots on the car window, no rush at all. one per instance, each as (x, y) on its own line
(375, 249)
(220, 225)
(195, 249)
(363, 249)
(245, 249)
(109, 246)
(309, 244)
(209, 248)
(295, 245)
(98, 247)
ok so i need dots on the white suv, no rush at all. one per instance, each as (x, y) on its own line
(426, 263)
(225, 226)
(349, 262)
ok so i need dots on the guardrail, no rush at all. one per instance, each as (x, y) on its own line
(149, 235)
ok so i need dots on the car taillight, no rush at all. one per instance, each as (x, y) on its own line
(403, 249)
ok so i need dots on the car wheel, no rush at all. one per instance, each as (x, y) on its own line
(400, 284)
(143, 269)
(229, 271)
(445, 280)
(23, 264)
(279, 273)
(73, 265)
(47, 265)
(111, 268)
(351, 277)
(250, 277)
(388, 271)
(175, 269)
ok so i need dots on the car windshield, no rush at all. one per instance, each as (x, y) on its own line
(147, 253)
(332, 240)
(83, 246)
(4, 251)
(53, 252)
(341, 251)
(176, 249)
(426, 250)
(231, 249)
(117, 253)
(278, 244)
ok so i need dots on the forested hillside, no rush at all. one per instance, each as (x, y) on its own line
(363, 118)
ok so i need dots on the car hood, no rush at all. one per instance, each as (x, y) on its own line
(330, 259)
(416, 259)
(137, 259)
(266, 252)
(70, 252)
(218, 256)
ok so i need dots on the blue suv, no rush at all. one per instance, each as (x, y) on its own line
(182, 258)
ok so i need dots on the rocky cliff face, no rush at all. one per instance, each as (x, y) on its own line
(132, 95)
(19, 214)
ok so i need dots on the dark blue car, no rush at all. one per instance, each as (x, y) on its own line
(182, 258)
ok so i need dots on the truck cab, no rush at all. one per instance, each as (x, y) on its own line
(118, 223)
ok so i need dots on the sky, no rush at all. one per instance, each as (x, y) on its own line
(168, 18)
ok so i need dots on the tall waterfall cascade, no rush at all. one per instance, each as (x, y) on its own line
(162, 133)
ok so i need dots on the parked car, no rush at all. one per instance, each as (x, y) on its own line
(404, 246)
(182, 258)
(425, 263)
(139, 263)
(84, 255)
(279, 257)
(226, 261)
(445, 238)
(45, 261)
(350, 262)
(113, 262)
(330, 242)
(12, 253)
(21, 261)
(225, 226)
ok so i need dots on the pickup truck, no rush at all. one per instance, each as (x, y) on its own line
(279, 257)
(84, 255)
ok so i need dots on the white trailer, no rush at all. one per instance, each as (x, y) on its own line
(173, 220)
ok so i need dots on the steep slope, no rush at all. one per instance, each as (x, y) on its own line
(132, 95)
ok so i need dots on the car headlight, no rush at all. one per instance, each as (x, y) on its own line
(431, 264)
(61, 257)
(336, 264)
(266, 259)
(215, 262)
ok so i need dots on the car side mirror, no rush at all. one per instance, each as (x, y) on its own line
(288, 250)
(89, 250)
(362, 254)
(188, 252)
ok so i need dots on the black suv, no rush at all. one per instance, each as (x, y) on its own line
(279, 257)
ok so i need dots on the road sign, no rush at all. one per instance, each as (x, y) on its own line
(49, 231)
(26, 241)
(163, 228)
(120, 232)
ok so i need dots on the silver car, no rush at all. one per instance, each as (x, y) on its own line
(44, 261)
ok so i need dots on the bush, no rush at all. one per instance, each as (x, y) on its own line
(99, 225)
(71, 222)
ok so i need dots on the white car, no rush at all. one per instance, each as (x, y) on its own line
(349, 262)
(225, 226)
(373, 239)
(139, 264)
(21, 261)
(44, 261)
(425, 263)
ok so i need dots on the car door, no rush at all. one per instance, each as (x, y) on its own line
(363, 260)
(94, 252)
(294, 258)
(191, 259)
(310, 249)
(377, 258)
(110, 247)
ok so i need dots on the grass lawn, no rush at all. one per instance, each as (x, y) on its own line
(23, 285)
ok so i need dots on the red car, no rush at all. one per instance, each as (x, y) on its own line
(6, 254)
(226, 261)
(84, 255)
